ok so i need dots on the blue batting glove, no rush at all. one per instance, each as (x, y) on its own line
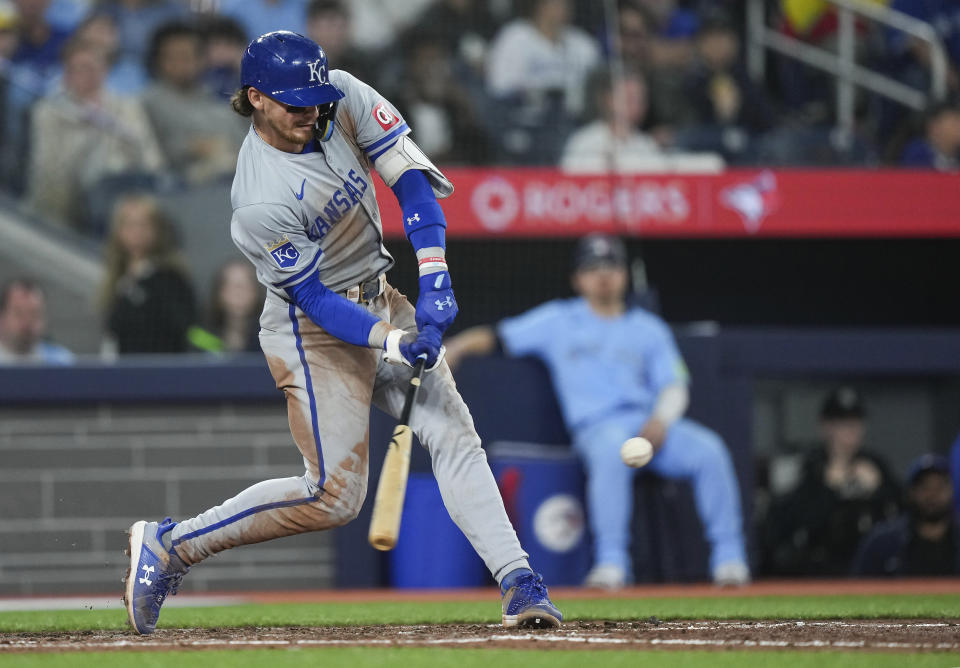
(429, 341)
(436, 305)
(401, 348)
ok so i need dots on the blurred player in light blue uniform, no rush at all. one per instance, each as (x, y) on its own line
(617, 373)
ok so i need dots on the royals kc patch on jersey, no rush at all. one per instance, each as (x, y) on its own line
(284, 253)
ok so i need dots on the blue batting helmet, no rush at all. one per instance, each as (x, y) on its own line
(290, 68)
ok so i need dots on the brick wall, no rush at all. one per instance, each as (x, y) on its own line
(73, 479)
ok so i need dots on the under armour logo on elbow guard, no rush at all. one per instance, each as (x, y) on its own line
(414, 219)
(445, 302)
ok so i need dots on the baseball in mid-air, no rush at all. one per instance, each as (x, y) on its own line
(636, 452)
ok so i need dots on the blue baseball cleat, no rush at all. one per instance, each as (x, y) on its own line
(154, 573)
(526, 604)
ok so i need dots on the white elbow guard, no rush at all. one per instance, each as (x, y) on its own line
(405, 155)
(672, 403)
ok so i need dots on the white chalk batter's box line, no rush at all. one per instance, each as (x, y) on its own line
(497, 640)
(573, 637)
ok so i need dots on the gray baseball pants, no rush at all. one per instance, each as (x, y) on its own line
(329, 386)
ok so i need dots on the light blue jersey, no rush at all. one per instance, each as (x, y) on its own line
(607, 374)
(599, 365)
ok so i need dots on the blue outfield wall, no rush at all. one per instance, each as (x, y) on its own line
(511, 400)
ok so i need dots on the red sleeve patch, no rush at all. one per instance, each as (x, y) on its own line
(386, 118)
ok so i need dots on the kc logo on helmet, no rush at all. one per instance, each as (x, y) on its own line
(318, 71)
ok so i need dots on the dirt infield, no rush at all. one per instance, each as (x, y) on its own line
(913, 635)
(849, 635)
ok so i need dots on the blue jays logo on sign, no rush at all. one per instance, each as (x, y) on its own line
(284, 253)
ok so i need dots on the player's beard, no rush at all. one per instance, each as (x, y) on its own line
(288, 130)
(297, 134)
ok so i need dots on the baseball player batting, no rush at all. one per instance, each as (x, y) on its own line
(335, 334)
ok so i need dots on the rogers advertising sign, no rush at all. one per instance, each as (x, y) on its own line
(738, 203)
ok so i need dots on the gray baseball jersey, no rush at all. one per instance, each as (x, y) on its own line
(297, 216)
(296, 213)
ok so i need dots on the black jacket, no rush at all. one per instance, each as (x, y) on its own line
(814, 530)
(152, 313)
(894, 548)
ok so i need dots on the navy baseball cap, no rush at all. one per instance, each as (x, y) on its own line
(928, 463)
(597, 250)
(842, 402)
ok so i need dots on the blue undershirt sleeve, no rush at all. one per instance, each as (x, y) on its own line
(424, 223)
(335, 313)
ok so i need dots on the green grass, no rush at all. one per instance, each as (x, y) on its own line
(475, 658)
(314, 614)
(326, 614)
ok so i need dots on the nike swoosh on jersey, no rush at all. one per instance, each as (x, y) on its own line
(300, 196)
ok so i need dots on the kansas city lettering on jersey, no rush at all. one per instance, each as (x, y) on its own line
(343, 200)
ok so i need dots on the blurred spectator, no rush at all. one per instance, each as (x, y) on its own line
(377, 23)
(543, 54)
(465, 26)
(32, 71)
(18, 88)
(939, 148)
(726, 109)
(925, 540)
(722, 92)
(637, 26)
(68, 14)
(807, 92)
(137, 20)
(679, 18)
(613, 141)
(198, 133)
(328, 24)
(224, 43)
(39, 42)
(537, 70)
(233, 314)
(148, 298)
(911, 57)
(662, 62)
(677, 24)
(433, 98)
(842, 493)
(23, 325)
(262, 16)
(83, 135)
(617, 374)
(9, 39)
(127, 75)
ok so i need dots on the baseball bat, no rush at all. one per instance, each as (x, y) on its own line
(388, 503)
